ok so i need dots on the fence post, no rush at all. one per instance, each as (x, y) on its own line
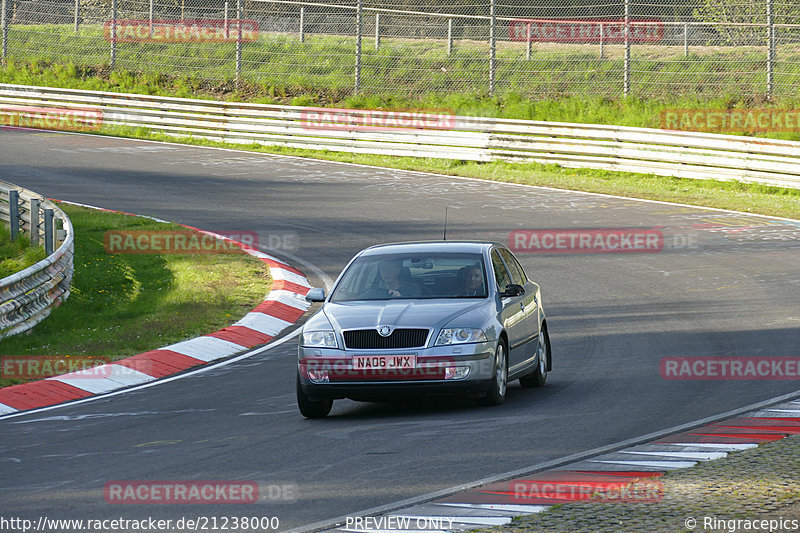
(225, 23)
(48, 231)
(151, 17)
(238, 42)
(492, 51)
(77, 10)
(626, 75)
(602, 42)
(685, 39)
(359, 7)
(35, 206)
(302, 24)
(377, 31)
(4, 28)
(528, 41)
(13, 213)
(449, 36)
(770, 50)
(113, 33)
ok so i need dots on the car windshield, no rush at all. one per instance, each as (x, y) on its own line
(405, 276)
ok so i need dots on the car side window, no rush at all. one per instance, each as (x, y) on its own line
(517, 274)
(500, 272)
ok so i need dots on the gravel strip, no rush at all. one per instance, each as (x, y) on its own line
(762, 482)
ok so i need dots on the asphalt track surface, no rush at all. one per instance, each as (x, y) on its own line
(724, 285)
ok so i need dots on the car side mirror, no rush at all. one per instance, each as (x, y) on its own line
(512, 290)
(315, 295)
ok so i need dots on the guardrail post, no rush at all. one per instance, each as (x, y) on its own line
(4, 28)
(13, 213)
(492, 50)
(35, 207)
(626, 75)
(302, 23)
(770, 50)
(238, 42)
(48, 231)
(113, 33)
(449, 36)
(359, 7)
(377, 31)
(77, 11)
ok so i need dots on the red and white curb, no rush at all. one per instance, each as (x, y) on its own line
(283, 306)
(630, 475)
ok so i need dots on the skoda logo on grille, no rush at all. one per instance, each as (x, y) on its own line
(384, 331)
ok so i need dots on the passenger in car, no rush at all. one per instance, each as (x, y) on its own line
(471, 278)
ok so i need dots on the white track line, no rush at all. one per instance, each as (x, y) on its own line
(668, 465)
(205, 348)
(114, 377)
(263, 323)
(712, 445)
(700, 456)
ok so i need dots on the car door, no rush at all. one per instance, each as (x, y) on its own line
(512, 311)
(530, 308)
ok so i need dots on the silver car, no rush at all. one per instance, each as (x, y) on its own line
(423, 318)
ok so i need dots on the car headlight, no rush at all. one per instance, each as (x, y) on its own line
(318, 339)
(460, 336)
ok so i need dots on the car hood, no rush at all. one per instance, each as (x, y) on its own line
(399, 314)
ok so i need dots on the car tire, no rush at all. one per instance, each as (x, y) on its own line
(538, 377)
(312, 408)
(497, 390)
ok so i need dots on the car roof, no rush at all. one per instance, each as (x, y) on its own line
(423, 247)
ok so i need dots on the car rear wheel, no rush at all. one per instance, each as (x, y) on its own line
(497, 390)
(312, 408)
(538, 377)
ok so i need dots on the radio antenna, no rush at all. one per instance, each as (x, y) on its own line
(444, 238)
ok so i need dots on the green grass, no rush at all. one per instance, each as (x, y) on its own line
(124, 304)
(325, 64)
(18, 254)
(569, 98)
(585, 107)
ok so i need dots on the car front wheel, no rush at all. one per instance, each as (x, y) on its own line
(497, 390)
(312, 408)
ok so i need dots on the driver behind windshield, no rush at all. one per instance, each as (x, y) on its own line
(391, 274)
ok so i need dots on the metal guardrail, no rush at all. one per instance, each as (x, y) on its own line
(27, 297)
(661, 152)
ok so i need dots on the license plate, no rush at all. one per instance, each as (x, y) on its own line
(381, 362)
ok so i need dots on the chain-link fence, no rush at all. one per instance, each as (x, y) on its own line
(533, 48)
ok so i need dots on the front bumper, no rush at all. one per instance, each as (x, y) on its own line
(429, 377)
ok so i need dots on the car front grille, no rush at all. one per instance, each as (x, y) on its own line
(370, 339)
